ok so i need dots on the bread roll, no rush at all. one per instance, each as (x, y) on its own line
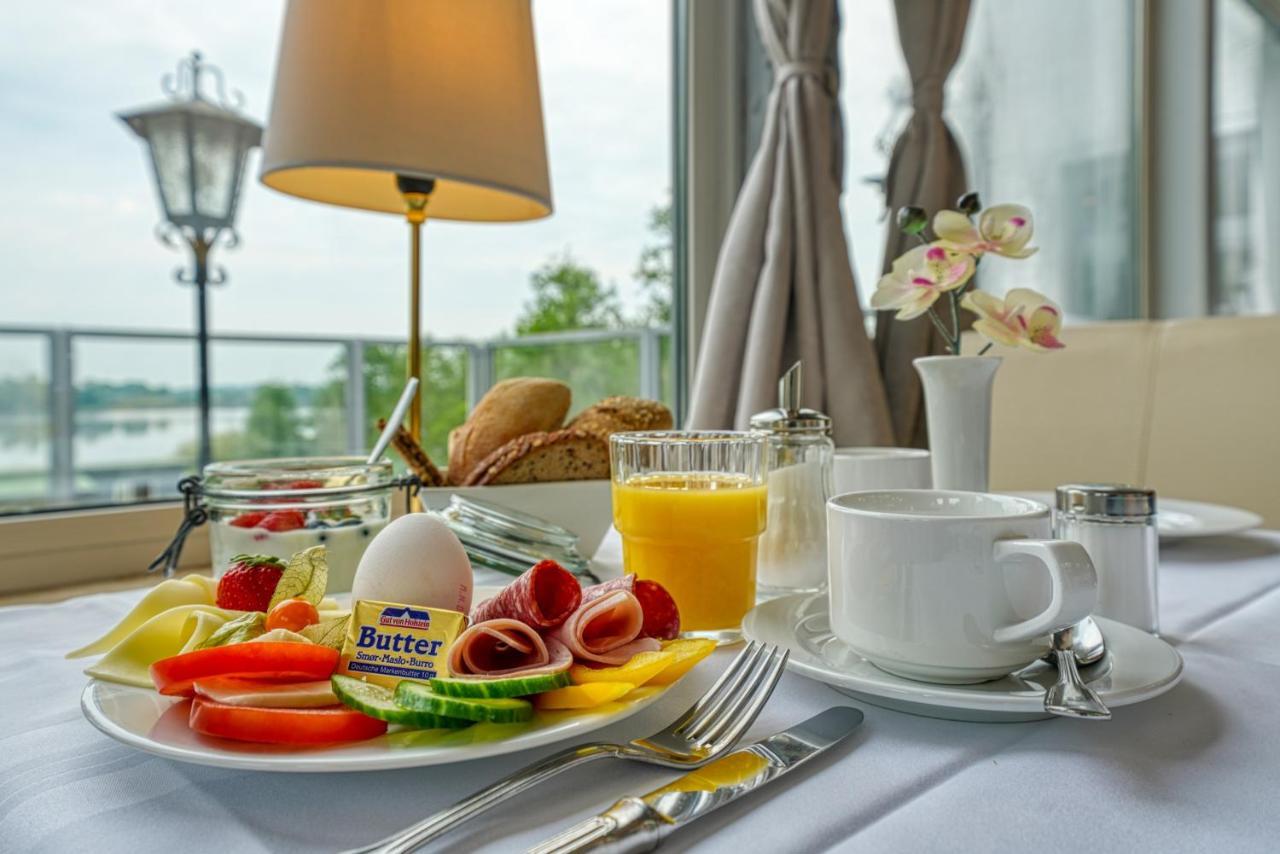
(511, 408)
(617, 414)
(544, 457)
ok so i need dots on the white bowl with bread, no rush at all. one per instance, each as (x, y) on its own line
(517, 450)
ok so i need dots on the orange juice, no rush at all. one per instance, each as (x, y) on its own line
(695, 534)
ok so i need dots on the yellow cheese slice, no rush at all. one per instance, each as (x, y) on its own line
(179, 629)
(190, 590)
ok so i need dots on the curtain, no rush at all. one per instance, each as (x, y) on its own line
(783, 287)
(926, 169)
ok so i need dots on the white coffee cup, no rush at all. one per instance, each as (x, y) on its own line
(953, 587)
(860, 469)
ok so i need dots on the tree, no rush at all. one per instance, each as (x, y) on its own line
(274, 428)
(568, 295)
(653, 271)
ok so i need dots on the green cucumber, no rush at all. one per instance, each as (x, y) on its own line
(515, 686)
(501, 710)
(378, 702)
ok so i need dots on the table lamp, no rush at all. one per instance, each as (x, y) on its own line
(422, 108)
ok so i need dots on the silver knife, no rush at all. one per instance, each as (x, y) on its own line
(640, 824)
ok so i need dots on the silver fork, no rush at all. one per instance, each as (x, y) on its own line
(708, 728)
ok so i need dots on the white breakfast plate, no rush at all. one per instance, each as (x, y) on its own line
(1181, 520)
(141, 718)
(1138, 667)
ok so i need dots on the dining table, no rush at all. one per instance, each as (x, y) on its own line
(1196, 769)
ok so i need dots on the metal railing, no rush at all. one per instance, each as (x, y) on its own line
(480, 376)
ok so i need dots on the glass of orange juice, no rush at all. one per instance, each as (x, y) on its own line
(690, 507)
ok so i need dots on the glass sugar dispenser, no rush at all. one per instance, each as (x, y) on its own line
(799, 452)
(1116, 524)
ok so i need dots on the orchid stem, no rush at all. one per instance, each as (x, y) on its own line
(984, 350)
(942, 330)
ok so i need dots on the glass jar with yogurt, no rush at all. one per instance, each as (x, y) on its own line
(282, 506)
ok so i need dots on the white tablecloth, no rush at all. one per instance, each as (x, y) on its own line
(1195, 770)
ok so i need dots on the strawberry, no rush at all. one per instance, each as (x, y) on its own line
(284, 520)
(305, 484)
(248, 583)
(249, 520)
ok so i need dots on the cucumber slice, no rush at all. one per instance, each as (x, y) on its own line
(378, 702)
(501, 710)
(515, 686)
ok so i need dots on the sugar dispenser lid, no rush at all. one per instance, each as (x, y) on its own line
(1105, 499)
(790, 417)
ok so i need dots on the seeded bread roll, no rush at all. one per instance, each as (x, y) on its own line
(544, 457)
(510, 409)
(619, 414)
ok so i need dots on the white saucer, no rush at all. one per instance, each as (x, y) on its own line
(1138, 667)
(1183, 520)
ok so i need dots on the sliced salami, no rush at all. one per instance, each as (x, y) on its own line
(606, 629)
(661, 615)
(497, 649)
(543, 597)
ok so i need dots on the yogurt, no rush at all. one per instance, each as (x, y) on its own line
(345, 545)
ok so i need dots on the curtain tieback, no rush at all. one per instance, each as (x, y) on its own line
(823, 72)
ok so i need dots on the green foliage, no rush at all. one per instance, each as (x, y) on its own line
(274, 428)
(653, 271)
(444, 392)
(568, 295)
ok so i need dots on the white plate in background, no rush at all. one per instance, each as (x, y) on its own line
(1180, 520)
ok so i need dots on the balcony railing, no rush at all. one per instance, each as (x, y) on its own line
(61, 476)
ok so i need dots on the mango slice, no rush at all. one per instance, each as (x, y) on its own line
(586, 696)
(641, 667)
(685, 654)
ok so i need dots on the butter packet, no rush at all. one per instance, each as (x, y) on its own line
(387, 642)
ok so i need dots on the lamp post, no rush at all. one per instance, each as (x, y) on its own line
(197, 147)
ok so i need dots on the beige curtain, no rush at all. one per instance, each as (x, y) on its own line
(926, 169)
(783, 287)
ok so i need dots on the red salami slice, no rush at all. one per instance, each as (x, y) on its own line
(542, 598)
(661, 615)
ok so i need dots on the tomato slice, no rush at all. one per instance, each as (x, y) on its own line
(282, 726)
(266, 660)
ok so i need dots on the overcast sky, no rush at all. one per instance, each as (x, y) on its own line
(77, 209)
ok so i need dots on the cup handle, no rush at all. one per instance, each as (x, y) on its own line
(1074, 589)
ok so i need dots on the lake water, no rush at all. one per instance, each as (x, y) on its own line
(113, 437)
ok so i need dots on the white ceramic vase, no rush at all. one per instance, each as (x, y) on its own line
(957, 401)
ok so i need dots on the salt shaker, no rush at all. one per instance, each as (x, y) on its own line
(1116, 524)
(799, 452)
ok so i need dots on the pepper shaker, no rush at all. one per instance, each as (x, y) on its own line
(799, 452)
(1116, 524)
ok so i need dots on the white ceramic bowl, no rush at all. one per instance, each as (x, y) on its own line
(584, 507)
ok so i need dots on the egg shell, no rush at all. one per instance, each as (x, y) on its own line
(416, 560)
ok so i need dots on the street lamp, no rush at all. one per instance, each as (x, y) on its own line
(197, 149)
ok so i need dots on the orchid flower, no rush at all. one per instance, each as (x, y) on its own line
(1024, 318)
(1004, 229)
(919, 277)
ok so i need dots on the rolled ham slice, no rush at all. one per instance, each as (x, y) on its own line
(496, 649)
(606, 628)
(661, 616)
(543, 597)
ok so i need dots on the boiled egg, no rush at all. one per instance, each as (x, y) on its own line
(416, 560)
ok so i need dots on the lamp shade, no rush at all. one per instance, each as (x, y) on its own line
(442, 89)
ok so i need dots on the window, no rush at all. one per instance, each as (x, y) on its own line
(1040, 122)
(96, 354)
(1246, 138)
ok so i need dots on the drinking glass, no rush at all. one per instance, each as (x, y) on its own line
(690, 507)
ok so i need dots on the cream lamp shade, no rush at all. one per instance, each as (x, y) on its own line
(366, 90)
